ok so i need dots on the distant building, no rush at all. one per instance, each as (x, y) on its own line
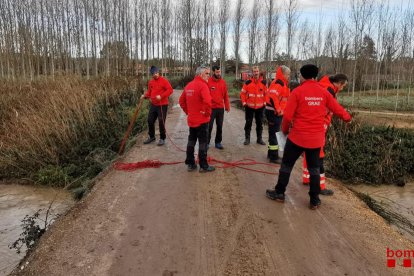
(245, 75)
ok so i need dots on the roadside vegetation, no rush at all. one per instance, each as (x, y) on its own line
(362, 153)
(62, 132)
(234, 86)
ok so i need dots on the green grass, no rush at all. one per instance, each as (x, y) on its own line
(391, 100)
(233, 92)
(401, 100)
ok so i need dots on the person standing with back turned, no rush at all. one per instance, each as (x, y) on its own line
(333, 84)
(305, 116)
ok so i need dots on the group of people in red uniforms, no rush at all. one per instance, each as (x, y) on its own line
(303, 114)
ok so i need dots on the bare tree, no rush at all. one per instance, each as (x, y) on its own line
(291, 18)
(90, 37)
(342, 45)
(305, 36)
(270, 6)
(212, 33)
(238, 30)
(207, 14)
(328, 48)
(316, 46)
(253, 31)
(223, 27)
(361, 10)
(275, 32)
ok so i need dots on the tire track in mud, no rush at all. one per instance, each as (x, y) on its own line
(239, 246)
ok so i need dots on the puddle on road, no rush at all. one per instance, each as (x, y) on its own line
(17, 201)
(395, 202)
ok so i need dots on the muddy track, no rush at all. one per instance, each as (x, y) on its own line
(167, 221)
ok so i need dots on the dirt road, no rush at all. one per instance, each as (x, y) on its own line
(168, 221)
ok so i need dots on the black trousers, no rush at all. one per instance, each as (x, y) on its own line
(258, 115)
(217, 114)
(154, 113)
(290, 155)
(274, 122)
(321, 166)
(201, 134)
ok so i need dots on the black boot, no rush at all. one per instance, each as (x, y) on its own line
(260, 141)
(273, 156)
(326, 192)
(314, 203)
(273, 195)
(276, 161)
(191, 167)
(207, 169)
(149, 140)
(247, 140)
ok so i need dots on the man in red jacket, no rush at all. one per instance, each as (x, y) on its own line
(159, 89)
(196, 103)
(252, 97)
(219, 102)
(333, 84)
(305, 116)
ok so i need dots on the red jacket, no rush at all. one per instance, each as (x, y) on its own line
(196, 102)
(253, 93)
(328, 85)
(278, 93)
(161, 87)
(219, 93)
(306, 111)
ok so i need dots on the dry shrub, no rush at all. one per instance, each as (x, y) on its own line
(49, 122)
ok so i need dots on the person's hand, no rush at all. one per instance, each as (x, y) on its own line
(227, 110)
(158, 97)
(348, 120)
(142, 96)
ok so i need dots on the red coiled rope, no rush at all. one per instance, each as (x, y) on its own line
(225, 164)
(142, 165)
